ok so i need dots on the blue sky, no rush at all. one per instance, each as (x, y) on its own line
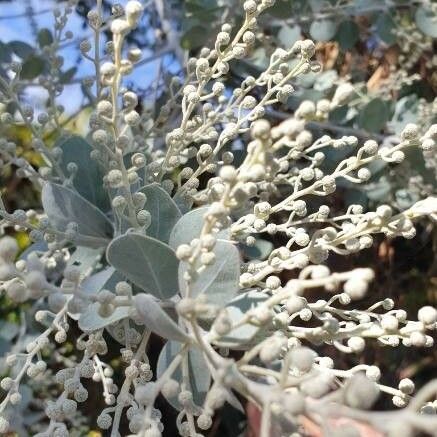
(19, 28)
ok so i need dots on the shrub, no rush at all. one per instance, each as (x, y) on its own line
(220, 254)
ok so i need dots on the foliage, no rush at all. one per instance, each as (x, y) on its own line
(211, 228)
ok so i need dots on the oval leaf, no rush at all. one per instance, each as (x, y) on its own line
(147, 262)
(45, 37)
(88, 180)
(259, 251)
(190, 226)
(426, 21)
(288, 35)
(347, 34)
(323, 30)
(63, 206)
(32, 67)
(21, 49)
(237, 310)
(198, 373)
(157, 320)
(374, 116)
(163, 210)
(90, 320)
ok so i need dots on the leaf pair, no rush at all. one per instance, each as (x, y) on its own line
(152, 265)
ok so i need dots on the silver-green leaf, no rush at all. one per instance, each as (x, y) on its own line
(426, 20)
(88, 179)
(90, 320)
(163, 210)
(63, 206)
(157, 320)
(219, 281)
(237, 309)
(198, 373)
(147, 262)
(323, 30)
(189, 227)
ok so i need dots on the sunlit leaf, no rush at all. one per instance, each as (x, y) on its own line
(147, 262)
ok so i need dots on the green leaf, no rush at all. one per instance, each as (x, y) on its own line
(237, 310)
(194, 38)
(67, 75)
(147, 262)
(374, 116)
(405, 199)
(163, 210)
(190, 226)
(426, 21)
(32, 67)
(385, 27)
(63, 206)
(198, 373)
(157, 320)
(94, 283)
(259, 251)
(45, 37)
(378, 191)
(282, 9)
(325, 80)
(90, 320)
(289, 35)
(317, 5)
(323, 30)
(21, 49)
(88, 180)
(218, 281)
(405, 112)
(347, 34)
(182, 203)
(85, 257)
(362, 7)
(5, 52)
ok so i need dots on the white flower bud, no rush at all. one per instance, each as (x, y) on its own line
(107, 69)
(104, 421)
(249, 6)
(389, 322)
(399, 402)
(342, 94)
(8, 248)
(406, 386)
(302, 358)
(133, 11)
(306, 109)
(364, 174)
(7, 383)
(427, 315)
(356, 288)
(373, 373)
(218, 88)
(361, 392)
(417, 339)
(204, 421)
(273, 282)
(357, 344)
(119, 26)
(410, 132)
(170, 388)
(271, 349)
